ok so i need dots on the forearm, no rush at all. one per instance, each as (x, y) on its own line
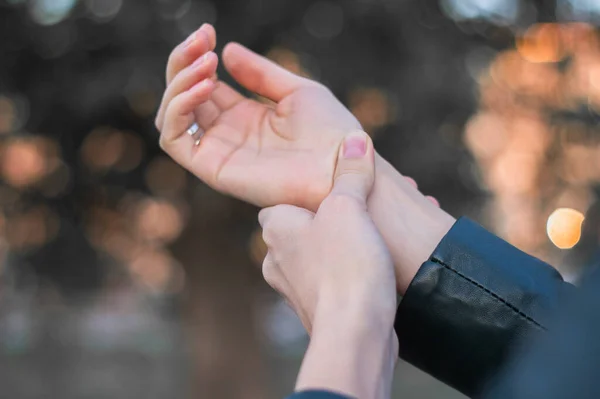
(410, 224)
(351, 352)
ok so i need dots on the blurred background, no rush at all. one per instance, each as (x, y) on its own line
(123, 276)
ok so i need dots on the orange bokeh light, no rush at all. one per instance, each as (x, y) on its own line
(158, 221)
(27, 161)
(564, 227)
(542, 43)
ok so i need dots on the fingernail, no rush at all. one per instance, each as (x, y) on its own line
(202, 84)
(201, 60)
(207, 83)
(190, 39)
(355, 146)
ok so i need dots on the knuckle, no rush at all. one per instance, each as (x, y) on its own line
(162, 143)
(268, 234)
(321, 88)
(355, 171)
(175, 54)
(269, 272)
(315, 88)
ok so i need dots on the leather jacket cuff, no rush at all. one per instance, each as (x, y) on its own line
(317, 394)
(468, 304)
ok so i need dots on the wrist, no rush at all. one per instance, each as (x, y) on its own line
(410, 224)
(352, 351)
(359, 316)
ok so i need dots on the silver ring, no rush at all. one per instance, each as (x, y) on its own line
(195, 132)
(193, 129)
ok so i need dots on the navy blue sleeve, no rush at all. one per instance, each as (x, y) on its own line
(470, 302)
(564, 362)
(317, 394)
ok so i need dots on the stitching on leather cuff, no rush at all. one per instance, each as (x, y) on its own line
(494, 295)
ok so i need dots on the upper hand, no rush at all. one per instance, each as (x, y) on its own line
(333, 261)
(335, 271)
(263, 154)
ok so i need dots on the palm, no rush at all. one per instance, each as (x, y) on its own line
(276, 154)
(263, 154)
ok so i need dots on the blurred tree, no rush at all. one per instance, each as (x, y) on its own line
(88, 200)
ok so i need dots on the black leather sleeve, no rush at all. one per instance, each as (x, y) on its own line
(563, 363)
(470, 302)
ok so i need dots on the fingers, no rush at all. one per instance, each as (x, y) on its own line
(275, 276)
(355, 171)
(225, 97)
(282, 223)
(222, 99)
(198, 43)
(413, 183)
(260, 75)
(179, 113)
(271, 272)
(203, 68)
(434, 200)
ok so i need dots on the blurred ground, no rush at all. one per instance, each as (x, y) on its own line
(123, 276)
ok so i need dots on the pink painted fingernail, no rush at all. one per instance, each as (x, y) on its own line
(355, 146)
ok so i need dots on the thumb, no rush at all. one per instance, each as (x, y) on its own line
(355, 171)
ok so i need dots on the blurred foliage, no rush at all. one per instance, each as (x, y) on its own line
(83, 176)
(492, 105)
(535, 136)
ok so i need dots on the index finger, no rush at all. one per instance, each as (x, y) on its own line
(282, 221)
(198, 43)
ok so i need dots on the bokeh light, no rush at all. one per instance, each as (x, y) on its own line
(106, 148)
(324, 20)
(499, 11)
(542, 43)
(287, 59)
(102, 148)
(30, 229)
(50, 12)
(8, 115)
(173, 10)
(165, 177)
(372, 107)
(531, 157)
(564, 227)
(158, 220)
(90, 205)
(578, 9)
(104, 10)
(26, 161)
(153, 269)
(258, 248)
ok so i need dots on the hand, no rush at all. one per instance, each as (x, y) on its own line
(264, 154)
(335, 256)
(284, 154)
(335, 271)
